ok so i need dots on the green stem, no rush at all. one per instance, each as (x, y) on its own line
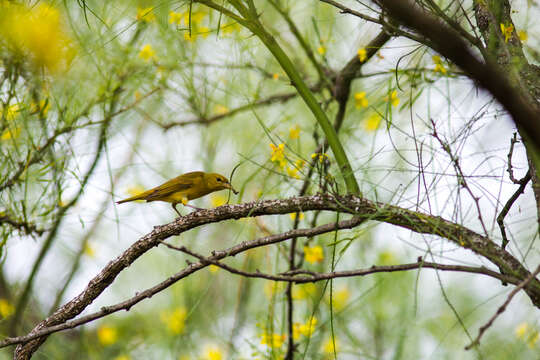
(251, 21)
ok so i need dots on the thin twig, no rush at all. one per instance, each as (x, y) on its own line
(462, 181)
(510, 169)
(500, 218)
(502, 308)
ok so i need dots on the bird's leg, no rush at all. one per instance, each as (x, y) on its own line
(175, 209)
(193, 207)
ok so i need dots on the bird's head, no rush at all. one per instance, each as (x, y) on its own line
(218, 182)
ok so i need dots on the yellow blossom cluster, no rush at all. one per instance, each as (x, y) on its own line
(195, 28)
(340, 298)
(320, 156)
(306, 329)
(175, 320)
(6, 309)
(36, 34)
(273, 340)
(278, 154)
(107, 335)
(507, 31)
(145, 15)
(304, 291)
(439, 67)
(360, 100)
(393, 98)
(213, 353)
(372, 122)
(362, 54)
(528, 334)
(147, 53)
(300, 216)
(313, 254)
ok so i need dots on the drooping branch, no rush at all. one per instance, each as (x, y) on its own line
(362, 209)
(450, 44)
(240, 248)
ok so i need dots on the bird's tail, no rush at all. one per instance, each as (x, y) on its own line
(141, 196)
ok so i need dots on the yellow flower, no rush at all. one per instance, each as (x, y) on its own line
(213, 268)
(147, 53)
(321, 156)
(372, 122)
(275, 76)
(304, 291)
(360, 100)
(197, 17)
(521, 330)
(294, 132)
(300, 216)
(145, 15)
(293, 172)
(340, 298)
(230, 28)
(533, 339)
(273, 340)
(6, 309)
(38, 34)
(362, 54)
(220, 109)
(175, 321)
(321, 50)
(89, 250)
(522, 35)
(299, 163)
(278, 154)
(204, 31)
(306, 329)
(331, 346)
(213, 353)
(107, 335)
(313, 254)
(190, 38)
(393, 98)
(12, 111)
(175, 18)
(507, 31)
(271, 288)
(439, 67)
(386, 258)
(10, 134)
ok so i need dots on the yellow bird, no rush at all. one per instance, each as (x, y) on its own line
(183, 188)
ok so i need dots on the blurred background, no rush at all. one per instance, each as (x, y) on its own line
(101, 100)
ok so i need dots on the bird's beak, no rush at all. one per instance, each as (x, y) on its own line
(229, 186)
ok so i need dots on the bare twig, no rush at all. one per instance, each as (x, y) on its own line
(450, 44)
(502, 308)
(214, 259)
(510, 169)
(25, 226)
(500, 218)
(461, 178)
(277, 98)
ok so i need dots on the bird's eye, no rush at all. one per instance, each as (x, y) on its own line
(219, 179)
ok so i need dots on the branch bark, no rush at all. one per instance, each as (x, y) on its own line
(361, 208)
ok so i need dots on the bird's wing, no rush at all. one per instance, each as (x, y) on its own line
(182, 182)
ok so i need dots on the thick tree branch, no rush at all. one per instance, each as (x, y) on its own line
(363, 210)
